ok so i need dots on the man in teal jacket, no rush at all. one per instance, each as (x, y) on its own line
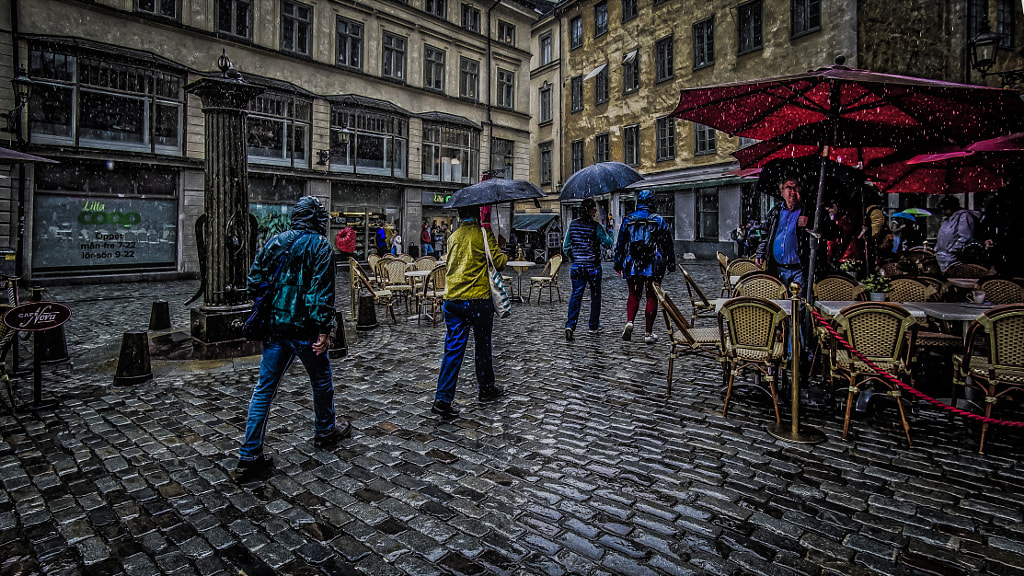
(302, 303)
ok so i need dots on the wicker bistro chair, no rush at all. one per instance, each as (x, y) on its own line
(373, 261)
(433, 292)
(838, 287)
(393, 272)
(910, 290)
(704, 342)
(752, 337)
(938, 284)
(884, 333)
(381, 297)
(405, 258)
(1002, 291)
(961, 270)
(723, 267)
(700, 305)
(548, 279)
(1001, 370)
(425, 263)
(354, 271)
(761, 285)
(739, 267)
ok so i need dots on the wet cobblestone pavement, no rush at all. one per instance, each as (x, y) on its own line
(583, 468)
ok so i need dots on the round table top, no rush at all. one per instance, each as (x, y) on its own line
(521, 263)
(417, 273)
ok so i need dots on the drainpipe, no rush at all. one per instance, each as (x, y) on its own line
(490, 124)
(19, 257)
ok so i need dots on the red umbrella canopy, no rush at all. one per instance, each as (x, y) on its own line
(954, 172)
(1010, 143)
(757, 155)
(891, 104)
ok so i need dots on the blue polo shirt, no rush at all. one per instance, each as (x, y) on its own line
(785, 248)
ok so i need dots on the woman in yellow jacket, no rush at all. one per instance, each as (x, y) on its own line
(467, 304)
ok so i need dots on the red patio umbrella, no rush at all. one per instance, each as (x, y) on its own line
(1010, 143)
(953, 172)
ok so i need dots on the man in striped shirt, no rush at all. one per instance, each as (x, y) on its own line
(583, 243)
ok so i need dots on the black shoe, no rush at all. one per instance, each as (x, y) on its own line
(334, 436)
(249, 469)
(445, 409)
(491, 394)
(568, 335)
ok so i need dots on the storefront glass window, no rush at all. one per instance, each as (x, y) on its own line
(368, 142)
(450, 153)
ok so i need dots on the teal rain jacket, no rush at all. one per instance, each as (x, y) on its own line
(303, 294)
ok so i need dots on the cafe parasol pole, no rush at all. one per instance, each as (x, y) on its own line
(796, 434)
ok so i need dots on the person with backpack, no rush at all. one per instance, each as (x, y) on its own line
(644, 252)
(582, 244)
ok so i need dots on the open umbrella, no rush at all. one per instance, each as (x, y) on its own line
(905, 216)
(916, 212)
(1010, 143)
(842, 182)
(841, 97)
(597, 179)
(955, 172)
(494, 191)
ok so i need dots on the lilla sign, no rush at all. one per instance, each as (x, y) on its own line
(37, 316)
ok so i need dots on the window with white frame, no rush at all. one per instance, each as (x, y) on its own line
(296, 20)
(576, 32)
(630, 10)
(471, 18)
(631, 72)
(600, 18)
(666, 128)
(805, 16)
(664, 65)
(450, 153)
(545, 102)
(234, 17)
(502, 156)
(705, 139)
(703, 43)
(749, 21)
(707, 214)
(365, 141)
(576, 94)
(545, 162)
(437, 8)
(469, 78)
(433, 68)
(163, 8)
(392, 64)
(601, 86)
(350, 43)
(577, 155)
(506, 88)
(545, 49)
(101, 102)
(631, 145)
(506, 33)
(601, 148)
(279, 129)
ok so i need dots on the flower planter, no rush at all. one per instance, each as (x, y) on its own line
(878, 296)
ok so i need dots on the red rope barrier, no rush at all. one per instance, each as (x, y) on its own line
(892, 379)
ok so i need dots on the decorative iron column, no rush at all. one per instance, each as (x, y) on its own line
(225, 232)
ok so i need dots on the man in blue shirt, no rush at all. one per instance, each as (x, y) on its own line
(583, 242)
(785, 251)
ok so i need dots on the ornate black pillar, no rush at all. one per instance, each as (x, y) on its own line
(225, 232)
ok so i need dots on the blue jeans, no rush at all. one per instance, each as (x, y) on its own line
(459, 317)
(584, 275)
(788, 275)
(278, 354)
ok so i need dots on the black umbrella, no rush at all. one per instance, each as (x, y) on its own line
(598, 179)
(494, 191)
(842, 183)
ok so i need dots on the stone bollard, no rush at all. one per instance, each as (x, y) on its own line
(160, 315)
(339, 341)
(133, 365)
(367, 319)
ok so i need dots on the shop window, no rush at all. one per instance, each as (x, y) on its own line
(601, 152)
(805, 16)
(433, 68)
(234, 17)
(506, 88)
(577, 155)
(750, 24)
(666, 138)
(471, 18)
(502, 157)
(279, 130)
(368, 142)
(707, 214)
(296, 20)
(600, 18)
(392, 63)
(350, 44)
(98, 102)
(450, 153)
(162, 8)
(703, 43)
(469, 78)
(545, 163)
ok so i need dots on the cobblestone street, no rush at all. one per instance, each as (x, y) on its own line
(584, 467)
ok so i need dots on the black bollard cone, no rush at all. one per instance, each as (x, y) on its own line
(339, 342)
(367, 319)
(160, 315)
(133, 365)
(51, 346)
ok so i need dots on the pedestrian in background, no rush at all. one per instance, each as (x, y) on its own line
(345, 241)
(583, 244)
(426, 240)
(302, 316)
(396, 243)
(955, 232)
(467, 305)
(643, 254)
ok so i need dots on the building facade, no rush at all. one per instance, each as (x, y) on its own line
(382, 109)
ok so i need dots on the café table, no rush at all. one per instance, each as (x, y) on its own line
(416, 276)
(520, 266)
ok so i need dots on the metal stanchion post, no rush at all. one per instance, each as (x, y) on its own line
(796, 434)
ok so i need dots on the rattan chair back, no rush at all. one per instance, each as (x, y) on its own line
(910, 290)
(433, 292)
(741, 266)
(405, 258)
(761, 285)
(394, 272)
(723, 267)
(961, 270)
(935, 283)
(879, 330)
(548, 279)
(893, 269)
(1004, 326)
(1002, 291)
(838, 287)
(425, 263)
(921, 262)
(752, 324)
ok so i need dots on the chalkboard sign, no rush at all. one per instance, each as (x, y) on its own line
(37, 316)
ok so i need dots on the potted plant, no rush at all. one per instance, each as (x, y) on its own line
(876, 285)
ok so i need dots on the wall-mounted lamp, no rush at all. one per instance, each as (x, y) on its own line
(22, 92)
(983, 57)
(323, 157)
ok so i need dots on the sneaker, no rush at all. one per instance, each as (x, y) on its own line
(249, 469)
(445, 409)
(568, 335)
(334, 436)
(627, 332)
(650, 338)
(490, 394)
(597, 330)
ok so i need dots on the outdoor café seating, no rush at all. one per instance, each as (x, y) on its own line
(838, 287)
(723, 267)
(548, 278)
(910, 290)
(381, 297)
(741, 266)
(752, 338)
(433, 292)
(993, 362)
(962, 270)
(761, 285)
(393, 272)
(1002, 291)
(884, 333)
(684, 339)
(699, 303)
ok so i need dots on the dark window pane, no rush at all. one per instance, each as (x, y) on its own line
(112, 118)
(50, 110)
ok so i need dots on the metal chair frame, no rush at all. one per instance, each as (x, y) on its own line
(723, 267)
(700, 305)
(684, 339)
(380, 297)
(549, 280)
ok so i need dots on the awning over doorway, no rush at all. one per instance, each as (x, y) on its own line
(532, 222)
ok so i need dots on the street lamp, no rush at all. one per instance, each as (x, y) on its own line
(22, 92)
(983, 56)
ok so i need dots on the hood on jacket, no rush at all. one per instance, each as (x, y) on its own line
(309, 214)
(645, 199)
